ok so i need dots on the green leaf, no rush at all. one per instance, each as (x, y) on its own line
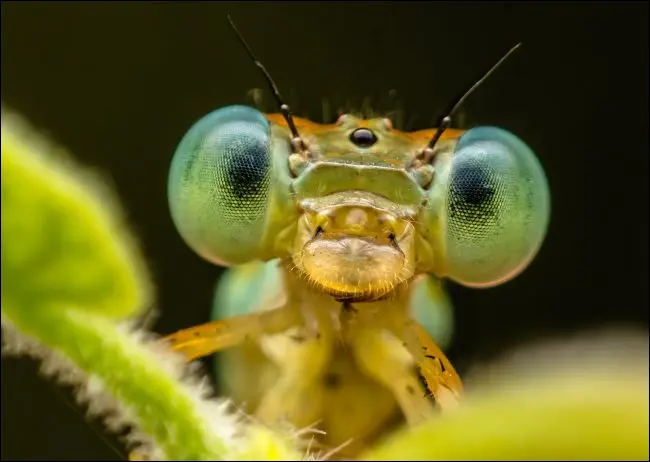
(70, 272)
(585, 411)
(63, 242)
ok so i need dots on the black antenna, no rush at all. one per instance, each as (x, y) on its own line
(284, 108)
(446, 121)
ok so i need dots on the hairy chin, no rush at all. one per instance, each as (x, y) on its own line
(354, 268)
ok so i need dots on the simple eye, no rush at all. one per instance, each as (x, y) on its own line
(219, 184)
(496, 210)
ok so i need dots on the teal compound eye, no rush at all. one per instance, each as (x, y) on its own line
(219, 185)
(496, 208)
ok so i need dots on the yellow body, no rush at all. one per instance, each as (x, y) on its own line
(341, 399)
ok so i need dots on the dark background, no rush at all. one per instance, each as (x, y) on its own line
(119, 84)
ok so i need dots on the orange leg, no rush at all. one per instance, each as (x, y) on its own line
(380, 357)
(441, 377)
(196, 342)
(442, 380)
(205, 339)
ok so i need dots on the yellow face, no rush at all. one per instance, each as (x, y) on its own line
(354, 251)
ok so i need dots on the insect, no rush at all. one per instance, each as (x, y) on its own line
(336, 231)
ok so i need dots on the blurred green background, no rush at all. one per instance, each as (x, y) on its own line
(119, 83)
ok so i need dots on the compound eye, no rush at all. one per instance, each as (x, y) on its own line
(497, 208)
(219, 184)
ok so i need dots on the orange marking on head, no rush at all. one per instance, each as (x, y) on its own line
(427, 134)
(307, 126)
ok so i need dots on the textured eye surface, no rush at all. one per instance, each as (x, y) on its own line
(497, 208)
(219, 184)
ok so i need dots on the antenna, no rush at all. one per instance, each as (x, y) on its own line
(446, 121)
(284, 108)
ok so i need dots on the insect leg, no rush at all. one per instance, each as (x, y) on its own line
(380, 355)
(211, 337)
(443, 381)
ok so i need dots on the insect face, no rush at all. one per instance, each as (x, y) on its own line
(354, 249)
(359, 220)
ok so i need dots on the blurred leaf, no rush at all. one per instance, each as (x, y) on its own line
(70, 271)
(63, 243)
(590, 408)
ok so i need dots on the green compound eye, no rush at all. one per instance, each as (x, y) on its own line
(219, 185)
(496, 209)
